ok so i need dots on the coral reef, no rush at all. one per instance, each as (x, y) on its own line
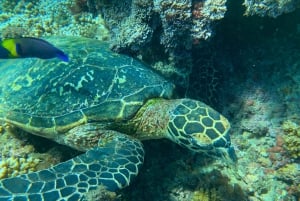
(290, 173)
(271, 8)
(79, 6)
(22, 153)
(205, 195)
(139, 27)
(10, 167)
(16, 155)
(13, 31)
(204, 13)
(100, 194)
(43, 18)
(291, 138)
(277, 154)
(177, 23)
(261, 80)
(175, 19)
(16, 6)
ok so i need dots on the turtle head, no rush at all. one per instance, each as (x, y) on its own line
(200, 128)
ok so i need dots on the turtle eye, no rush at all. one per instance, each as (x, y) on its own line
(193, 141)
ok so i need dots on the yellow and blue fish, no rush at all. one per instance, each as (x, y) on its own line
(30, 47)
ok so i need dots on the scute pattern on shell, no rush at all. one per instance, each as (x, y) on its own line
(96, 85)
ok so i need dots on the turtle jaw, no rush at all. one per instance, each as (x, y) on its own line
(227, 152)
(194, 144)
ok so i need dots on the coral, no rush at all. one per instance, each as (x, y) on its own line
(79, 6)
(12, 31)
(277, 153)
(179, 22)
(16, 155)
(214, 9)
(100, 194)
(17, 6)
(1, 129)
(176, 23)
(271, 8)
(14, 147)
(204, 14)
(132, 34)
(22, 152)
(139, 27)
(205, 195)
(129, 23)
(291, 138)
(8, 5)
(290, 173)
(10, 167)
(255, 111)
(44, 18)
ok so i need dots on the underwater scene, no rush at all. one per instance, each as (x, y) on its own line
(150, 100)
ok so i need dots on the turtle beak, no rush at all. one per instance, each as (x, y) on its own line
(226, 153)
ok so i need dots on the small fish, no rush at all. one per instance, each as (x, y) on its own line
(30, 47)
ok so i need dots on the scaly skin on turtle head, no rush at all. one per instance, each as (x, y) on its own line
(189, 123)
(200, 128)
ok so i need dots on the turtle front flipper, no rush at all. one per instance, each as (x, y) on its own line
(113, 163)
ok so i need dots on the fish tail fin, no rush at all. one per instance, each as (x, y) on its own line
(62, 56)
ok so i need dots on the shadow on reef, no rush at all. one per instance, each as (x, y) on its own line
(243, 48)
(171, 173)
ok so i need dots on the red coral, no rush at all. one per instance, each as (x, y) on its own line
(278, 148)
(277, 153)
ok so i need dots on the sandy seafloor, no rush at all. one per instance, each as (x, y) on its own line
(259, 59)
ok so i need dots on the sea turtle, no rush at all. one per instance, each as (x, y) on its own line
(101, 103)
